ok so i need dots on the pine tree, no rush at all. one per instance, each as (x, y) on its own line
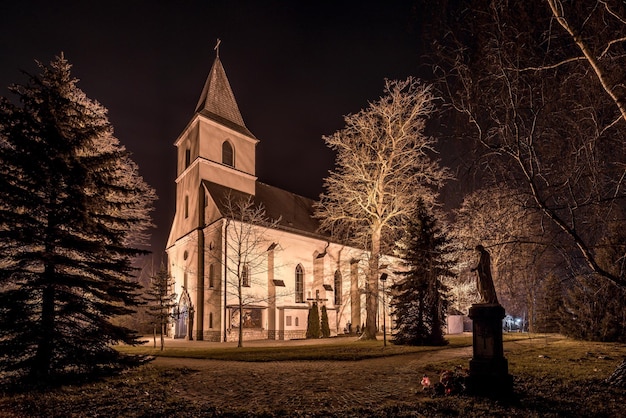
(418, 299)
(161, 301)
(313, 322)
(73, 212)
(325, 326)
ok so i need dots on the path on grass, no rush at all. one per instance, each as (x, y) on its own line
(306, 385)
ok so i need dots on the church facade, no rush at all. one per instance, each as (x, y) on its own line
(289, 267)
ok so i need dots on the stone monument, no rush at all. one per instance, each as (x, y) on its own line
(489, 369)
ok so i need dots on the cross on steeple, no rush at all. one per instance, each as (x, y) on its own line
(217, 47)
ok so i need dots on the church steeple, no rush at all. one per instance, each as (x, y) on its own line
(217, 101)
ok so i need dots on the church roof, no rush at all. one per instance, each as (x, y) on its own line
(217, 101)
(295, 212)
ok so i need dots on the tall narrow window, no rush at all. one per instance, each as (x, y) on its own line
(211, 276)
(186, 207)
(245, 275)
(299, 284)
(228, 156)
(211, 320)
(337, 287)
(187, 157)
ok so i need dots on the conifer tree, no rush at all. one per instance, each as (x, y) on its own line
(73, 212)
(418, 299)
(325, 327)
(313, 322)
(161, 301)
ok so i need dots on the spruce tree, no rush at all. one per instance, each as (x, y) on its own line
(418, 299)
(313, 322)
(161, 301)
(73, 212)
(325, 326)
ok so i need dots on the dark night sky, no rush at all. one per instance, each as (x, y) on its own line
(295, 67)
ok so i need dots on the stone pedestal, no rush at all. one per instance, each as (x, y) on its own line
(489, 369)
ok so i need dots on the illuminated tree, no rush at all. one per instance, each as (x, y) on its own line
(522, 253)
(73, 210)
(384, 163)
(161, 301)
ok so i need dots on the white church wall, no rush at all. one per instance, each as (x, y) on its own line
(213, 291)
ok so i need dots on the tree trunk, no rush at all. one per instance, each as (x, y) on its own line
(162, 336)
(240, 307)
(43, 356)
(371, 303)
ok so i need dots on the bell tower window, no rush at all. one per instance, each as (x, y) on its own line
(187, 157)
(228, 154)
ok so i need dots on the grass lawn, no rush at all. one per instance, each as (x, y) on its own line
(337, 350)
(553, 377)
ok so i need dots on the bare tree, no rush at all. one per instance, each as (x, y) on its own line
(599, 49)
(541, 112)
(245, 254)
(521, 251)
(384, 163)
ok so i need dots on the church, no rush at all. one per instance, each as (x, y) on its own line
(293, 265)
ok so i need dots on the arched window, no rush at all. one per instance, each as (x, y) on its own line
(228, 155)
(187, 157)
(299, 284)
(337, 287)
(211, 275)
(245, 275)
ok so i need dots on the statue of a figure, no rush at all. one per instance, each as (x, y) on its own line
(485, 283)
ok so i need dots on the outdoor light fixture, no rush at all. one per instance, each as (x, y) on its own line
(383, 278)
(272, 246)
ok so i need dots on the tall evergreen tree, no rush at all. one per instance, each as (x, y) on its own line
(325, 327)
(313, 322)
(161, 301)
(418, 299)
(73, 212)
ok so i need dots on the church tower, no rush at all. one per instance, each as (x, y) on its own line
(216, 147)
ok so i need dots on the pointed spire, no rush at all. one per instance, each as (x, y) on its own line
(217, 100)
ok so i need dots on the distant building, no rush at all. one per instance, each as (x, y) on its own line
(216, 159)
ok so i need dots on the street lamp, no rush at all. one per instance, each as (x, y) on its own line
(383, 278)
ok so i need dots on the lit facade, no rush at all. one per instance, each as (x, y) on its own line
(296, 264)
